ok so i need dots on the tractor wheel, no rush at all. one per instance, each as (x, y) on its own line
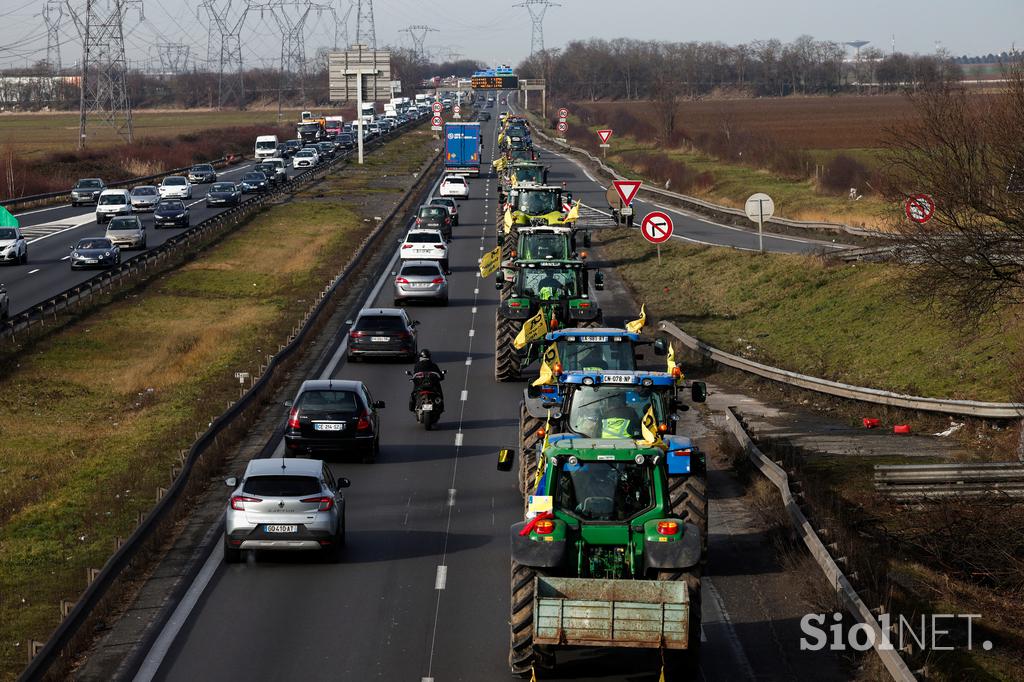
(529, 442)
(506, 357)
(688, 499)
(684, 664)
(522, 654)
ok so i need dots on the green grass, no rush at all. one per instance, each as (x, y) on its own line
(99, 412)
(846, 322)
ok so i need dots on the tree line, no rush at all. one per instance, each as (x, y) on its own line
(627, 69)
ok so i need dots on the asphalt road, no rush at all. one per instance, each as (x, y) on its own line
(52, 231)
(422, 593)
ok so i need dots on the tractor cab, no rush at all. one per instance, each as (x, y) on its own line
(538, 205)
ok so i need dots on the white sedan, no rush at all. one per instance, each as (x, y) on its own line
(175, 187)
(305, 158)
(425, 245)
(454, 186)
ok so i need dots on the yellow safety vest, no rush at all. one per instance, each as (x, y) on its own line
(615, 427)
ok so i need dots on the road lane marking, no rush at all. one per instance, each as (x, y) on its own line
(441, 578)
(473, 311)
(469, 361)
(458, 439)
(465, 396)
(451, 497)
(32, 272)
(472, 332)
(476, 292)
(66, 258)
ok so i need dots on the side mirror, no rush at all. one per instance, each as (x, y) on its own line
(231, 482)
(660, 347)
(378, 404)
(343, 482)
(288, 403)
(505, 459)
(698, 391)
(599, 281)
(498, 281)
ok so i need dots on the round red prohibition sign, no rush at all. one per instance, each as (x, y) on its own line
(920, 208)
(562, 126)
(657, 227)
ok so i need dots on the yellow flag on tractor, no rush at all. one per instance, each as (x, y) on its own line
(574, 213)
(508, 220)
(671, 359)
(490, 263)
(549, 365)
(515, 180)
(649, 429)
(534, 328)
(637, 325)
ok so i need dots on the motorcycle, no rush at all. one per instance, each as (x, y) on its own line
(427, 399)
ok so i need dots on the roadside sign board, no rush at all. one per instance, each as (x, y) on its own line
(436, 107)
(759, 208)
(435, 122)
(656, 227)
(919, 208)
(563, 113)
(627, 189)
(562, 126)
(605, 135)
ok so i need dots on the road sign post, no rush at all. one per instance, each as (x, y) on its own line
(656, 228)
(435, 122)
(604, 136)
(759, 208)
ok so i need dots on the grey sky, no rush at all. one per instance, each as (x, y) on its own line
(496, 32)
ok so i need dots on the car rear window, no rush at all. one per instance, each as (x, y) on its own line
(432, 212)
(421, 271)
(456, 181)
(423, 238)
(391, 323)
(282, 486)
(312, 402)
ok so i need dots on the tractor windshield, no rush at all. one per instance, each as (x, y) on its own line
(603, 491)
(584, 355)
(538, 203)
(541, 246)
(613, 411)
(548, 284)
(529, 174)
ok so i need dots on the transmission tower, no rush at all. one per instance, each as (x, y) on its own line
(366, 34)
(173, 57)
(537, 9)
(104, 92)
(225, 50)
(341, 27)
(53, 17)
(418, 33)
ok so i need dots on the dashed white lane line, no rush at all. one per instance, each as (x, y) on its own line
(465, 396)
(441, 579)
(458, 439)
(451, 497)
(469, 361)
(66, 258)
(472, 332)
(474, 310)
(32, 272)
(476, 292)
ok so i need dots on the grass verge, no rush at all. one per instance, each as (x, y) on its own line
(103, 408)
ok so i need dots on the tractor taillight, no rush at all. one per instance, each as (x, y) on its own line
(677, 373)
(668, 528)
(544, 527)
(662, 428)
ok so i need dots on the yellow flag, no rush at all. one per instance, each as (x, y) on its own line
(508, 220)
(573, 214)
(534, 328)
(548, 362)
(637, 325)
(649, 428)
(671, 359)
(515, 180)
(490, 263)
(501, 136)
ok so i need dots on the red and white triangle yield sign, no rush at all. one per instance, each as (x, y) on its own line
(605, 135)
(627, 189)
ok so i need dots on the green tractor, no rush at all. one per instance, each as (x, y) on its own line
(537, 243)
(525, 173)
(603, 559)
(559, 288)
(534, 205)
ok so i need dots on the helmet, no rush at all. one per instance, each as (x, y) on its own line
(424, 354)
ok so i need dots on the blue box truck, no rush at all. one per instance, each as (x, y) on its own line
(462, 148)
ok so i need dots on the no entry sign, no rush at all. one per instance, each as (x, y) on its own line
(920, 208)
(657, 227)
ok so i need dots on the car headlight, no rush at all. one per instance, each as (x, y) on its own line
(180, 215)
(107, 254)
(74, 254)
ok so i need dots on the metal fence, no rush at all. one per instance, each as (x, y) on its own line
(921, 482)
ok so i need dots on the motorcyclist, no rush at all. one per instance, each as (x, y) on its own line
(430, 377)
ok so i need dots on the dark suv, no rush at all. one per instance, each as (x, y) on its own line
(333, 416)
(382, 332)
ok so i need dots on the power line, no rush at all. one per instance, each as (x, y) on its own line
(418, 33)
(537, 9)
(366, 33)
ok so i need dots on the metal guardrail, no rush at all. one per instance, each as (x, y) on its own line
(916, 482)
(889, 656)
(33, 198)
(725, 214)
(971, 408)
(61, 642)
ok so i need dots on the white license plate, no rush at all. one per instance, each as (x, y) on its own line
(329, 427)
(418, 285)
(618, 379)
(380, 339)
(626, 211)
(91, 260)
(278, 528)
(427, 407)
(593, 339)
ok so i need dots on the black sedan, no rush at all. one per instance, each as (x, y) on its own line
(254, 182)
(223, 194)
(202, 173)
(333, 417)
(326, 150)
(94, 252)
(284, 151)
(171, 213)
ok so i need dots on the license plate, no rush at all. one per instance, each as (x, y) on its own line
(418, 285)
(278, 528)
(617, 379)
(380, 339)
(91, 260)
(329, 427)
(594, 339)
(427, 407)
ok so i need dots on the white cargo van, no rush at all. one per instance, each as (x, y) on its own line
(266, 146)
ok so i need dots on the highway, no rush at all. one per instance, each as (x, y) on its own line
(52, 231)
(422, 593)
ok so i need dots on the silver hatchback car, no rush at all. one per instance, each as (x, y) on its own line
(127, 232)
(285, 504)
(420, 280)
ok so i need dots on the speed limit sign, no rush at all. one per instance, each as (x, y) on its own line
(562, 126)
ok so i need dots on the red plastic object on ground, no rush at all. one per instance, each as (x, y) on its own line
(871, 422)
(901, 428)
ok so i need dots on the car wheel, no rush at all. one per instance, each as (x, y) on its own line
(143, 244)
(232, 555)
(24, 257)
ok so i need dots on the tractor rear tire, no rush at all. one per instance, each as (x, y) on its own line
(688, 499)
(529, 442)
(522, 654)
(685, 664)
(506, 357)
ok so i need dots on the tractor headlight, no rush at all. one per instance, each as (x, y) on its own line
(639, 459)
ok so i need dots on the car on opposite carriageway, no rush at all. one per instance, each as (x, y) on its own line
(171, 213)
(87, 191)
(223, 194)
(13, 246)
(127, 232)
(94, 252)
(202, 173)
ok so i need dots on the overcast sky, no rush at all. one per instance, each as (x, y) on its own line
(495, 31)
